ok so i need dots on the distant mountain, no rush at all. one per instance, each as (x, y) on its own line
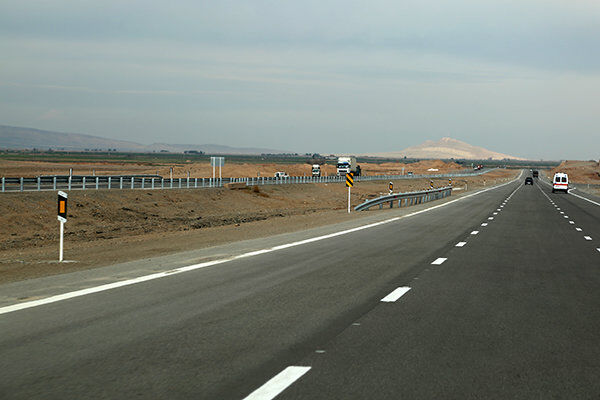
(12, 137)
(445, 148)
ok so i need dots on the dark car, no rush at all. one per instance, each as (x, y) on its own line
(529, 180)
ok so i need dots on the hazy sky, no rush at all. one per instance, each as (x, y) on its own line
(520, 77)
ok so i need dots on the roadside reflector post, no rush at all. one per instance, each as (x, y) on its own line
(62, 218)
(391, 187)
(349, 183)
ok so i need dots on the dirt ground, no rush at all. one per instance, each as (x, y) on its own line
(10, 168)
(107, 227)
(581, 173)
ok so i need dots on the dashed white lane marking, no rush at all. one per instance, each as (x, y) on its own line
(278, 383)
(491, 218)
(562, 212)
(587, 238)
(474, 232)
(566, 216)
(598, 249)
(497, 209)
(460, 244)
(572, 223)
(578, 229)
(558, 209)
(495, 213)
(396, 294)
(484, 224)
(439, 261)
(128, 282)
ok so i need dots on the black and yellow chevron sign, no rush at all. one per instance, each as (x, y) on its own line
(349, 179)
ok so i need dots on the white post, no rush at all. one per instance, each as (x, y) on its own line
(60, 252)
(213, 172)
(220, 167)
(348, 199)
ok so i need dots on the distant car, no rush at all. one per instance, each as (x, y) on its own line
(535, 173)
(409, 173)
(281, 175)
(529, 180)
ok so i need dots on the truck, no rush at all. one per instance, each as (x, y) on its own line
(316, 170)
(347, 164)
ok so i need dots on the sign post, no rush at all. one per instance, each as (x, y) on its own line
(217, 162)
(62, 218)
(349, 183)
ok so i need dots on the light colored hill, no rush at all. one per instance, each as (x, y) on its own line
(445, 148)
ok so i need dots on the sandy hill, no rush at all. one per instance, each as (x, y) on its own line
(579, 171)
(446, 148)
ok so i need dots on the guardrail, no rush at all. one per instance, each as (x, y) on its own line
(149, 182)
(408, 199)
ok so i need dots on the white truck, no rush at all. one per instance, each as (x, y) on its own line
(316, 170)
(347, 164)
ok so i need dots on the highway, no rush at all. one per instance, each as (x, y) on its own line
(492, 295)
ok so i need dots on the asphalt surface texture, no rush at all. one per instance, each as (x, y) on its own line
(507, 309)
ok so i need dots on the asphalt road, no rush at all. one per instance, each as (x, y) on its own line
(513, 313)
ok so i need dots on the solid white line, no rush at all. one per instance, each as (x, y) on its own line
(278, 383)
(484, 224)
(474, 232)
(460, 244)
(114, 285)
(396, 294)
(581, 197)
(578, 229)
(587, 238)
(439, 261)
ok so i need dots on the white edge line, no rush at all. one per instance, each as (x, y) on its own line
(396, 294)
(278, 383)
(581, 197)
(145, 278)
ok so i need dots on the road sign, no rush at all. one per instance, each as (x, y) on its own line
(217, 161)
(431, 183)
(349, 179)
(62, 206)
(391, 185)
(450, 182)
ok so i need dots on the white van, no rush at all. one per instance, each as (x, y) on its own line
(560, 182)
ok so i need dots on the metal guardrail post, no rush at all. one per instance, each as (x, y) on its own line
(152, 183)
(171, 183)
(132, 182)
(97, 182)
(109, 182)
(39, 183)
(121, 183)
(188, 182)
(195, 182)
(54, 183)
(21, 184)
(83, 183)
(179, 183)
(162, 183)
(3, 184)
(143, 182)
(70, 182)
